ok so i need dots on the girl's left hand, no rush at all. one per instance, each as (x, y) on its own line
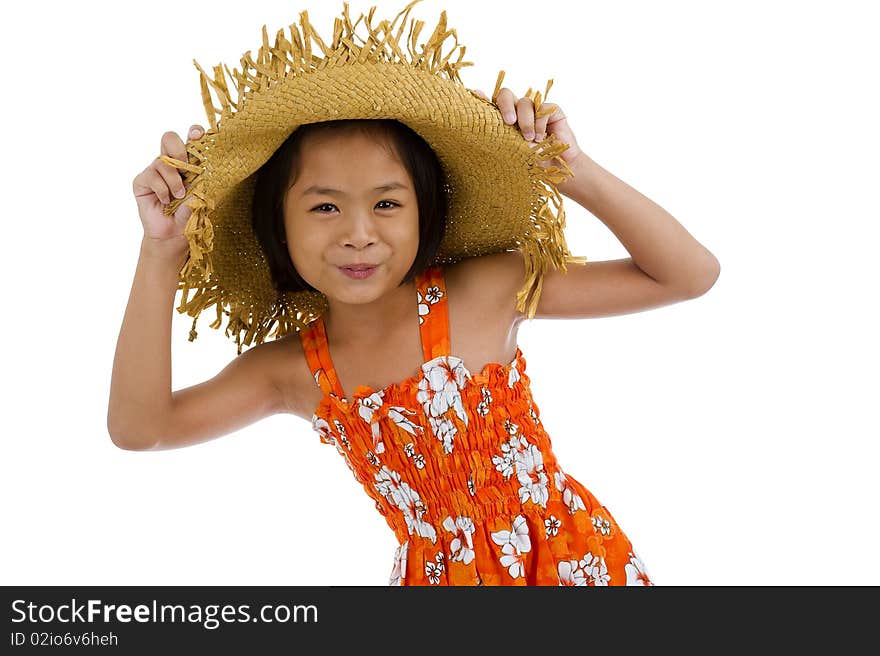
(522, 111)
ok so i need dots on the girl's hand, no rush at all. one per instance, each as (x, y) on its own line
(154, 187)
(522, 112)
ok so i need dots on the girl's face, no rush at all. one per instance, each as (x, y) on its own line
(338, 214)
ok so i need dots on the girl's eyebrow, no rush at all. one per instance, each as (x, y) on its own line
(314, 189)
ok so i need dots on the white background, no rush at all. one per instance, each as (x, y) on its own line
(732, 436)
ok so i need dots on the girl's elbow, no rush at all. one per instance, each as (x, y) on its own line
(129, 442)
(704, 282)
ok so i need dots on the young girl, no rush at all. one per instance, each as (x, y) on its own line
(426, 395)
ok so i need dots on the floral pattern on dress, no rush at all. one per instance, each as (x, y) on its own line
(483, 406)
(409, 449)
(636, 574)
(569, 496)
(432, 295)
(462, 546)
(367, 407)
(400, 494)
(589, 570)
(434, 569)
(602, 523)
(398, 571)
(523, 458)
(514, 544)
(440, 391)
(551, 526)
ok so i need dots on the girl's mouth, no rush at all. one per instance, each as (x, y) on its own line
(358, 272)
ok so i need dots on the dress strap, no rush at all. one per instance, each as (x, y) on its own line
(433, 312)
(314, 342)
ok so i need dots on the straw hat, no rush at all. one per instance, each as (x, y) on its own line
(501, 196)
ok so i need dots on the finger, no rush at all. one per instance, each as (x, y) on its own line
(525, 110)
(196, 132)
(541, 122)
(156, 183)
(505, 101)
(173, 146)
(171, 178)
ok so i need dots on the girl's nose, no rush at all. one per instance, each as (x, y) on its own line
(360, 230)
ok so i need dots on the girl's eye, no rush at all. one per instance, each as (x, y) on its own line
(320, 210)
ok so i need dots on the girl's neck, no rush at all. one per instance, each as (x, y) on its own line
(367, 324)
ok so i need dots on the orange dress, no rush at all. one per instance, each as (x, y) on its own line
(462, 470)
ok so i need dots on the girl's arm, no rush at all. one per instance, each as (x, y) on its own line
(143, 413)
(667, 264)
(659, 245)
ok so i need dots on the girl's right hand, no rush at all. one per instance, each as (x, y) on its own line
(157, 185)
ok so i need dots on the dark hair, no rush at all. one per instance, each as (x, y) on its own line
(274, 177)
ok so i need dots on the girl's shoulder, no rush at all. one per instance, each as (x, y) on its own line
(487, 283)
(288, 368)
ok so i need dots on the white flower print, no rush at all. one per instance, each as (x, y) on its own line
(570, 573)
(513, 374)
(636, 574)
(594, 569)
(369, 404)
(601, 525)
(398, 572)
(433, 570)
(513, 561)
(533, 480)
(320, 426)
(410, 450)
(528, 463)
(533, 415)
(439, 391)
(444, 430)
(340, 428)
(569, 496)
(510, 427)
(505, 463)
(433, 294)
(366, 407)
(483, 407)
(551, 525)
(404, 497)
(471, 488)
(514, 543)
(518, 535)
(388, 481)
(396, 414)
(439, 388)
(371, 457)
(462, 545)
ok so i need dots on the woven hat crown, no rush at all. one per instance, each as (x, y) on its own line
(502, 191)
